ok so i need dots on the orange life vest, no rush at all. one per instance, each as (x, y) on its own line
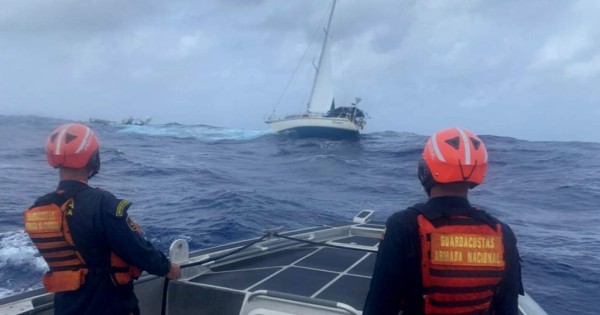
(121, 272)
(462, 264)
(48, 228)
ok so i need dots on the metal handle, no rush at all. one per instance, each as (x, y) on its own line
(304, 299)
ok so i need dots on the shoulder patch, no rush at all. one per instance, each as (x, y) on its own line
(132, 225)
(121, 207)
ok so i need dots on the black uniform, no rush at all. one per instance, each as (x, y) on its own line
(100, 225)
(397, 277)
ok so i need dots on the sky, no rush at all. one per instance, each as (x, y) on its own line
(525, 69)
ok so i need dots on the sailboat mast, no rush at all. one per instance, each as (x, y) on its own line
(324, 52)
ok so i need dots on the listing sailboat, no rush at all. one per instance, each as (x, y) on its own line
(322, 118)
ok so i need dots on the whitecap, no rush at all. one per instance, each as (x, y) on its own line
(201, 132)
(17, 250)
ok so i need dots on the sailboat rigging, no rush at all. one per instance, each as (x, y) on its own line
(322, 118)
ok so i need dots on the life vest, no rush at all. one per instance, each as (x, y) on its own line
(49, 231)
(462, 262)
(121, 272)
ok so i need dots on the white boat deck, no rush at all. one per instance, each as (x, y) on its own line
(309, 271)
(277, 276)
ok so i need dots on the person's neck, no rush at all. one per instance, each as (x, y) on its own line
(449, 190)
(80, 175)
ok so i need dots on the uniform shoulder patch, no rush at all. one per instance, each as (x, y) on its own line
(132, 225)
(121, 207)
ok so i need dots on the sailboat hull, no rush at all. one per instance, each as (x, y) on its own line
(316, 127)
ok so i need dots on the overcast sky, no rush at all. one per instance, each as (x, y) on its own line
(527, 69)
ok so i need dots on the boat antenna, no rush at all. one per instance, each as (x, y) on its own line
(299, 62)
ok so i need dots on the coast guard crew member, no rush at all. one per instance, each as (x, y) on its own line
(92, 246)
(445, 256)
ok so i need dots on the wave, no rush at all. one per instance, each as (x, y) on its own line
(213, 185)
(390, 133)
(17, 250)
(20, 264)
(200, 132)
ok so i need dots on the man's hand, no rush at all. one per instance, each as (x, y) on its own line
(173, 272)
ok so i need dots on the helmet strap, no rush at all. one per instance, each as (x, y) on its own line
(427, 191)
(92, 173)
(94, 164)
(465, 178)
(425, 177)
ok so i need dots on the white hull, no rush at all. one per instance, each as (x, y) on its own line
(315, 126)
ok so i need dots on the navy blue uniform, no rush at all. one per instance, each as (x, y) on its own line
(397, 279)
(99, 225)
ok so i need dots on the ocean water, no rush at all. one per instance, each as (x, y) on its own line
(214, 185)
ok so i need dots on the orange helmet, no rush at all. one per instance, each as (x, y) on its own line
(453, 155)
(73, 146)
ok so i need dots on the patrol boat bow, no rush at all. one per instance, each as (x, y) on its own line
(323, 270)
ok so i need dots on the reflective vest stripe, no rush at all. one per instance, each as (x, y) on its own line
(58, 243)
(58, 254)
(69, 268)
(476, 312)
(45, 245)
(457, 222)
(63, 263)
(62, 258)
(56, 249)
(444, 289)
(435, 302)
(466, 273)
(50, 239)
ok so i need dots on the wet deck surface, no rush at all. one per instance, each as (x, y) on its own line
(340, 275)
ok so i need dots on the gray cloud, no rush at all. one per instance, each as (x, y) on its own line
(527, 69)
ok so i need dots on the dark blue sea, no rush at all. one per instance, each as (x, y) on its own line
(214, 185)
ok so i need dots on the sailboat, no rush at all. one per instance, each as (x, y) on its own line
(322, 118)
